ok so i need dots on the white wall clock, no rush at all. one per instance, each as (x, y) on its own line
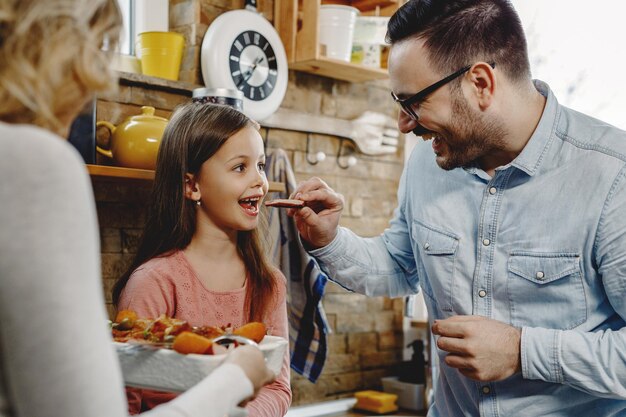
(242, 50)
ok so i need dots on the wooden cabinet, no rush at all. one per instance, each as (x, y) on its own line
(297, 23)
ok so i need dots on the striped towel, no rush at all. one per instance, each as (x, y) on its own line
(305, 280)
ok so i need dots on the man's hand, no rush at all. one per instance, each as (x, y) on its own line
(318, 221)
(480, 348)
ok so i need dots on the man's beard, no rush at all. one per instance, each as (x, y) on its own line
(470, 137)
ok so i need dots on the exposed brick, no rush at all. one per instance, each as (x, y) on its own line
(111, 311)
(114, 265)
(381, 359)
(362, 342)
(345, 302)
(338, 362)
(107, 285)
(390, 340)
(372, 378)
(184, 13)
(350, 323)
(341, 383)
(130, 240)
(337, 343)
(110, 240)
(384, 321)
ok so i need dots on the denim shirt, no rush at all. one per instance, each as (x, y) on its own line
(541, 245)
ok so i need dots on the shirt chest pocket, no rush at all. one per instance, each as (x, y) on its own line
(436, 248)
(546, 290)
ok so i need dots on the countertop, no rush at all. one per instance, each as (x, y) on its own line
(343, 408)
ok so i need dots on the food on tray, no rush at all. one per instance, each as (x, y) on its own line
(285, 203)
(177, 334)
(189, 342)
(255, 331)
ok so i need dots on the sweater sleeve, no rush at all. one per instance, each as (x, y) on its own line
(274, 399)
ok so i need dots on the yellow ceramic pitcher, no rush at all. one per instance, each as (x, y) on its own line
(135, 142)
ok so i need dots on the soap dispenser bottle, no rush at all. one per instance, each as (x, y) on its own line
(414, 371)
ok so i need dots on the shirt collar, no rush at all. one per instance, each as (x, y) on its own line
(532, 155)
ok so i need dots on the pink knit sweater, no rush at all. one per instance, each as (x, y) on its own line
(168, 285)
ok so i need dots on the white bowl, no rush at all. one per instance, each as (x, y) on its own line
(147, 367)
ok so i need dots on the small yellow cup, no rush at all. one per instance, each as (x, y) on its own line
(161, 53)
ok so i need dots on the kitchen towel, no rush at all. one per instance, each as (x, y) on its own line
(308, 325)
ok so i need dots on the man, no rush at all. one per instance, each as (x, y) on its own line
(515, 231)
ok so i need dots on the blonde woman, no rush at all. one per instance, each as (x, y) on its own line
(56, 357)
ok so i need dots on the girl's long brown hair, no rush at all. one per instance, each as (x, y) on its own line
(194, 134)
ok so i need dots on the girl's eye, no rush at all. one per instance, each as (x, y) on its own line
(240, 168)
(262, 166)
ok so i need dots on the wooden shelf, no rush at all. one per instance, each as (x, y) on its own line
(121, 174)
(367, 5)
(340, 70)
(103, 171)
(297, 24)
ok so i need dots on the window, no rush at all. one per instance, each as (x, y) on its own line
(127, 45)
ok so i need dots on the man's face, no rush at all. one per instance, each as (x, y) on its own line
(461, 134)
(469, 137)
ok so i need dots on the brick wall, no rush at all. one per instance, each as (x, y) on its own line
(367, 338)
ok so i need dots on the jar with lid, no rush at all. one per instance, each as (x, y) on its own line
(225, 96)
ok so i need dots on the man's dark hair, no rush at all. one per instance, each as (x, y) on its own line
(462, 32)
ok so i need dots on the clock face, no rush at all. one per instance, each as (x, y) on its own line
(242, 50)
(253, 65)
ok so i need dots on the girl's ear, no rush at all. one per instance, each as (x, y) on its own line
(192, 191)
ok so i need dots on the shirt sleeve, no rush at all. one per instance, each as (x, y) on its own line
(382, 265)
(593, 362)
(274, 399)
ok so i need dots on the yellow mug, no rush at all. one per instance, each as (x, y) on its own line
(160, 53)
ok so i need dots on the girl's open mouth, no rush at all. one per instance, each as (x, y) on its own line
(250, 205)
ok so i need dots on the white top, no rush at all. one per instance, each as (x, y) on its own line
(56, 356)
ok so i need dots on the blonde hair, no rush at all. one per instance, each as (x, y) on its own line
(51, 58)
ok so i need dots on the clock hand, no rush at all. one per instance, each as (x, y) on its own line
(248, 74)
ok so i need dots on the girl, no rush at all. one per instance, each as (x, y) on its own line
(200, 257)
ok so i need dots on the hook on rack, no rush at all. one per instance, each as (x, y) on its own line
(314, 159)
(350, 160)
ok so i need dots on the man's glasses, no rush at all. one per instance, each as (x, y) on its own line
(411, 105)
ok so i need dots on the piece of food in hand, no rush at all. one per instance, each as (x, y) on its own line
(188, 342)
(255, 331)
(125, 319)
(285, 203)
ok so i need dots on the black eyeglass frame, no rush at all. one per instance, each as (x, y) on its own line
(407, 103)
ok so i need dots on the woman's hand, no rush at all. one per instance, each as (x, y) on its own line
(251, 360)
(318, 221)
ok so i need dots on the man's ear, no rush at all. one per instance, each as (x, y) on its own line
(192, 191)
(483, 84)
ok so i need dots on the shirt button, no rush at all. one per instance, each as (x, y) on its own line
(482, 293)
(540, 275)
(486, 389)
(492, 190)
(486, 242)
(426, 246)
